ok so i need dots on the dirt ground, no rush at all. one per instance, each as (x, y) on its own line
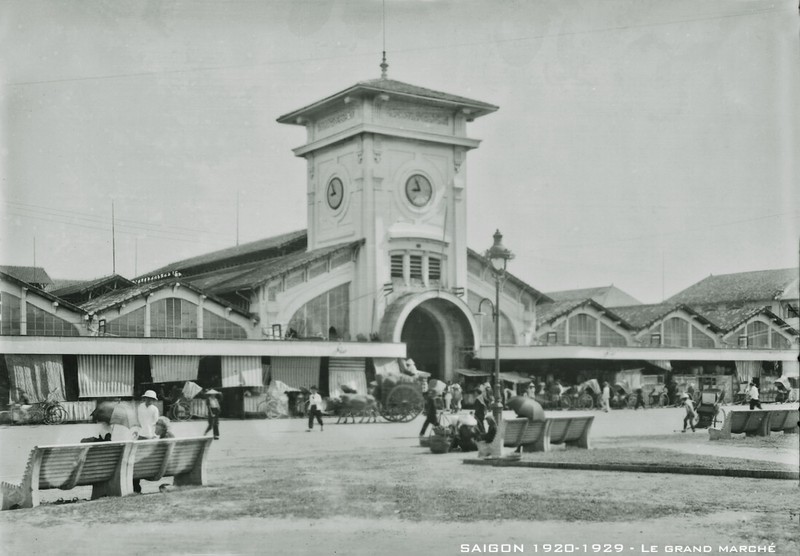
(370, 489)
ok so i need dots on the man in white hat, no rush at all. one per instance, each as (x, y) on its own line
(147, 412)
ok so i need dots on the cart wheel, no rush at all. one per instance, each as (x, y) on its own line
(269, 409)
(585, 401)
(404, 402)
(565, 402)
(55, 415)
(181, 411)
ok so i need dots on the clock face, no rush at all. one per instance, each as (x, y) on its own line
(419, 190)
(335, 193)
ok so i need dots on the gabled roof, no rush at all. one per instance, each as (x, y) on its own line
(731, 319)
(118, 297)
(549, 313)
(396, 88)
(542, 298)
(266, 271)
(607, 296)
(86, 286)
(28, 274)
(760, 285)
(641, 317)
(49, 296)
(261, 249)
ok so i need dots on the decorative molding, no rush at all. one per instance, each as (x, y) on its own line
(416, 114)
(360, 148)
(377, 148)
(336, 119)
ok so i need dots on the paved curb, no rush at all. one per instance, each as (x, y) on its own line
(749, 473)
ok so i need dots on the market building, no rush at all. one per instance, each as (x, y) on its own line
(382, 272)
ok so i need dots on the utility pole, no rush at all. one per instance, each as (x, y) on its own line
(113, 242)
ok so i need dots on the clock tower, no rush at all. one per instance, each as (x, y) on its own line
(386, 164)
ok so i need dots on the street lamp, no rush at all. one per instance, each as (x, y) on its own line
(499, 257)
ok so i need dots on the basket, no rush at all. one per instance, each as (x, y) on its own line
(439, 444)
(425, 441)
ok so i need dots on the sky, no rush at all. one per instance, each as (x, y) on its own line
(645, 144)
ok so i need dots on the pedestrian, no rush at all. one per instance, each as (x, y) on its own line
(531, 390)
(690, 414)
(457, 396)
(605, 397)
(448, 395)
(480, 410)
(163, 429)
(147, 413)
(214, 408)
(639, 399)
(431, 412)
(752, 393)
(314, 409)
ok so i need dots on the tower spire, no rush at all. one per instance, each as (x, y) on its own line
(384, 66)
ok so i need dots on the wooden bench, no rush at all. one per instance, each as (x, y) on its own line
(538, 436)
(108, 467)
(570, 431)
(753, 422)
(784, 420)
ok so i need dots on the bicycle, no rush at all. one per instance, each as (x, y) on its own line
(49, 412)
(181, 410)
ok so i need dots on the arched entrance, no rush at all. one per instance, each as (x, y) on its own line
(438, 329)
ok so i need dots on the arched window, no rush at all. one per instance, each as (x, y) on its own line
(316, 317)
(129, 325)
(43, 323)
(700, 339)
(583, 330)
(218, 328)
(610, 337)
(173, 318)
(757, 335)
(10, 315)
(676, 332)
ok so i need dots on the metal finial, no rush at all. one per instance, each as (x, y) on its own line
(384, 66)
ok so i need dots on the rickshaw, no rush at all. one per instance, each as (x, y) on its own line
(582, 396)
(785, 391)
(621, 396)
(708, 410)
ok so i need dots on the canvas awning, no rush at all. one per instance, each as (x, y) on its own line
(36, 376)
(298, 372)
(105, 375)
(515, 378)
(241, 371)
(348, 372)
(174, 368)
(473, 373)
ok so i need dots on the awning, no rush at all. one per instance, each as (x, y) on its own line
(473, 373)
(36, 376)
(515, 378)
(347, 372)
(105, 375)
(241, 371)
(791, 367)
(298, 372)
(174, 368)
(662, 364)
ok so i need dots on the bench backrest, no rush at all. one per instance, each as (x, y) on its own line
(514, 429)
(533, 434)
(70, 465)
(782, 419)
(168, 457)
(568, 429)
(747, 421)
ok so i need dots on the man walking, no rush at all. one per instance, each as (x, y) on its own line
(752, 393)
(314, 409)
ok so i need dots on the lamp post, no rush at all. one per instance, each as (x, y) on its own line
(499, 257)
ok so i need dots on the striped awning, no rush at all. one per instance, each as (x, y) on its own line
(348, 372)
(746, 370)
(36, 376)
(105, 375)
(242, 371)
(174, 368)
(386, 367)
(299, 372)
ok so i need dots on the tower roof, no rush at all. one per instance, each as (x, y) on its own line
(473, 108)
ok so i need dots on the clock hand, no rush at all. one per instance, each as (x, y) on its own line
(416, 183)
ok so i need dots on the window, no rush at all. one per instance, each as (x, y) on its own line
(757, 335)
(742, 341)
(779, 341)
(416, 266)
(655, 339)
(583, 330)
(10, 315)
(434, 268)
(397, 266)
(326, 311)
(130, 325)
(610, 337)
(43, 323)
(676, 332)
(552, 337)
(173, 318)
(700, 339)
(216, 327)
(791, 311)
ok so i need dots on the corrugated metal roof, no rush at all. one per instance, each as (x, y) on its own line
(643, 316)
(730, 319)
(604, 295)
(758, 285)
(273, 268)
(46, 295)
(262, 249)
(550, 312)
(88, 285)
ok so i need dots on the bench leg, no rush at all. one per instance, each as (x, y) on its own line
(197, 476)
(793, 430)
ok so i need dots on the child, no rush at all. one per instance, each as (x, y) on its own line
(690, 414)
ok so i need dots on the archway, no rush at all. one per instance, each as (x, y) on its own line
(438, 329)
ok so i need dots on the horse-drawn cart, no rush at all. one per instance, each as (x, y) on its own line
(399, 392)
